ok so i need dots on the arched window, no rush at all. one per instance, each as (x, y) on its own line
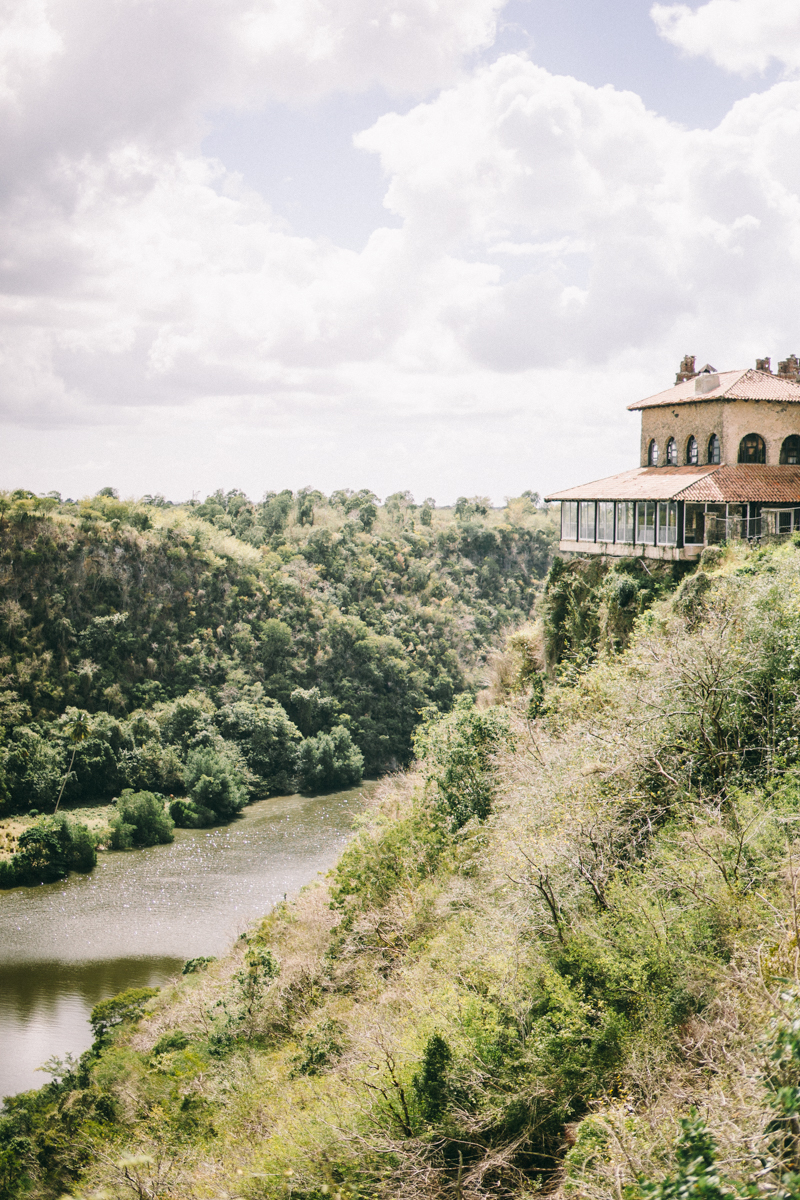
(752, 449)
(652, 454)
(713, 449)
(790, 450)
(692, 451)
(672, 453)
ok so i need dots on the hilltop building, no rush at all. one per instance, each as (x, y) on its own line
(720, 459)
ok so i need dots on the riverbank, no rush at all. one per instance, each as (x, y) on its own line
(135, 920)
(95, 816)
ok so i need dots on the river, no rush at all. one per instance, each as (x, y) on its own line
(135, 920)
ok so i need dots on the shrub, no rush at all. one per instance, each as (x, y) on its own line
(193, 965)
(268, 740)
(140, 820)
(214, 785)
(126, 1006)
(52, 847)
(431, 1084)
(456, 753)
(329, 761)
(186, 815)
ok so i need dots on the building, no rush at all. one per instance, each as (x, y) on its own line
(720, 459)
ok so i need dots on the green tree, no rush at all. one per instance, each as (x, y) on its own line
(215, 789)
(268, 740)
(78, 733)
(118, 1010)
(140, 820)
(328, 762)
(52, 847)
(456, 752)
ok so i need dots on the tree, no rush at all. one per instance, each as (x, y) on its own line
(78, 733)
(215, 790)
(456, 752)
(140, 820)
(329, 761)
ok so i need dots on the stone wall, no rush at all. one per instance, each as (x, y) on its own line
(729, 419)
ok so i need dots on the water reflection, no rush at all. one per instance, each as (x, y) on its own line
(139, 916)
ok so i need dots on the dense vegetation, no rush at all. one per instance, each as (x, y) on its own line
(568, 935)
(221, 652)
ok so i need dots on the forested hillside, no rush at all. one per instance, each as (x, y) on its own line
(563, 940)
(232, 649)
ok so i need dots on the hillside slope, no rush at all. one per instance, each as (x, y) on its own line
(549, 942)
(135, 633)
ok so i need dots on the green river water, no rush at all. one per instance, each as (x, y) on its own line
(135, 920)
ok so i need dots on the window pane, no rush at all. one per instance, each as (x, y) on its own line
(586, 529)
(569, 520)
(716, 523)
(691, 451)
(694, 524)
(625, 521)
(667, 523)
(605, 520)
(646, 522)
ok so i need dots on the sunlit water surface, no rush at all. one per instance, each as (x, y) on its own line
(135, 920)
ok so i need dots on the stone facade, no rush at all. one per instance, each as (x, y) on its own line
(730, 420)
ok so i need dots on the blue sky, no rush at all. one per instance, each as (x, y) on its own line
(425, 244)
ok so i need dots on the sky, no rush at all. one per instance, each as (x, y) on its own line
(435, 245)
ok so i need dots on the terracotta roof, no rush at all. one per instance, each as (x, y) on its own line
(758, 484)
(642, 483)
(733, 385)
(712, 484)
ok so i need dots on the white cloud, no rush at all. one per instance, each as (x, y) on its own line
(740, 35)
(560, 247)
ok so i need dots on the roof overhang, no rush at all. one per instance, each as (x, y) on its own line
(741, 484)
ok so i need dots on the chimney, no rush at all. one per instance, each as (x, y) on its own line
(686, 369)
(790, 368)
(763, 364)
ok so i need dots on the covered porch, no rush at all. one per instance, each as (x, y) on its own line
(673, 513)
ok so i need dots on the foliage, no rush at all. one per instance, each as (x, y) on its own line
(215, 787)
(456, 753)
(132, 633)
(328, 762)
(431, 1084)
(591, 605)
(125, 1006)
(48, 850)
(140, 820)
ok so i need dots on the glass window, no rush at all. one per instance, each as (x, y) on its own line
(785, 522)
(646, 522)
(716, 523)
(694, 524)
(569, 520)
(672, 453)
(605, 520)
(752, 449)
(652, 454)
(586, 515)
(692, 451)
(713, 449)
(667, 523)
(624, 530)
(790, 450)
